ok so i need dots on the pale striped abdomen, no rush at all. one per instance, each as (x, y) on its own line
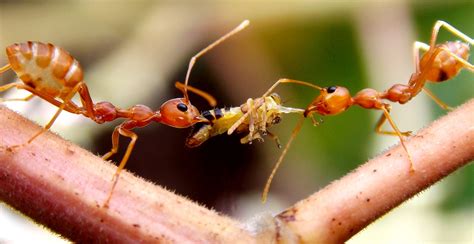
(444, 66)
(45, 67)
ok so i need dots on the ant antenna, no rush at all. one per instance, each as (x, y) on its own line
(209, 98)
(295, 132)
(237, 29)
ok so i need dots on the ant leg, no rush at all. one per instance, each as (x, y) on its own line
(280, 81)
(209, 98)
(237, 29)
(61, 105)
(60, 109)
(25, 99)
(297, 129)
(69, 106)
(378, 128)
(9, 86)
(127, 133)
(416, 53)
(451, 29)
(115, 144)
(5, 68)
(398, 133)
(464, 62)
(381, 121)
(437, 100)
(86, 101)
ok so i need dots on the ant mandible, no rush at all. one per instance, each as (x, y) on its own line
(52, 74)
(440, 62)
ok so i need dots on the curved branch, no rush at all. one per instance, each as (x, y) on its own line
(346, 206)
(62, 186)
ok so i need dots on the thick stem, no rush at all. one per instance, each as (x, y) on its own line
(340, 210)
(63, 186)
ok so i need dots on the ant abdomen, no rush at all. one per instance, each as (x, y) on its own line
(444, 66)
(45, 67)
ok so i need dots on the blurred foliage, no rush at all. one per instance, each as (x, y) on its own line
(324, 53)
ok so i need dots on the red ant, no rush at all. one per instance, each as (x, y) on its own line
(440, 62)
(50, 72)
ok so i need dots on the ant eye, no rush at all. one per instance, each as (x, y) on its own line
(331, 89)
(182, 107)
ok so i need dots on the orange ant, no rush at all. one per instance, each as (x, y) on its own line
(440, 62)
(50, 72)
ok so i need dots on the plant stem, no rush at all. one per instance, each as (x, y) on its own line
(346, 206)
(62, 186)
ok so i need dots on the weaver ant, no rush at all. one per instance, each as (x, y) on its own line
(52, 74)
(440, 62)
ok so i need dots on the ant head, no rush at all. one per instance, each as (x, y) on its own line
(180, 113)
(332, 100)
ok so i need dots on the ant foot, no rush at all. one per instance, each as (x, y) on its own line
(105, 205)
(407, 133)
(11, 149)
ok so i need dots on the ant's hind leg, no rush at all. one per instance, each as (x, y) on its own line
(451, 29)
(464, 62)
(386, 110)
(9, 86)
(5, 68)
(61, 107)
(25, 99)
(115, 144)
(381, 121)
(437, 100)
